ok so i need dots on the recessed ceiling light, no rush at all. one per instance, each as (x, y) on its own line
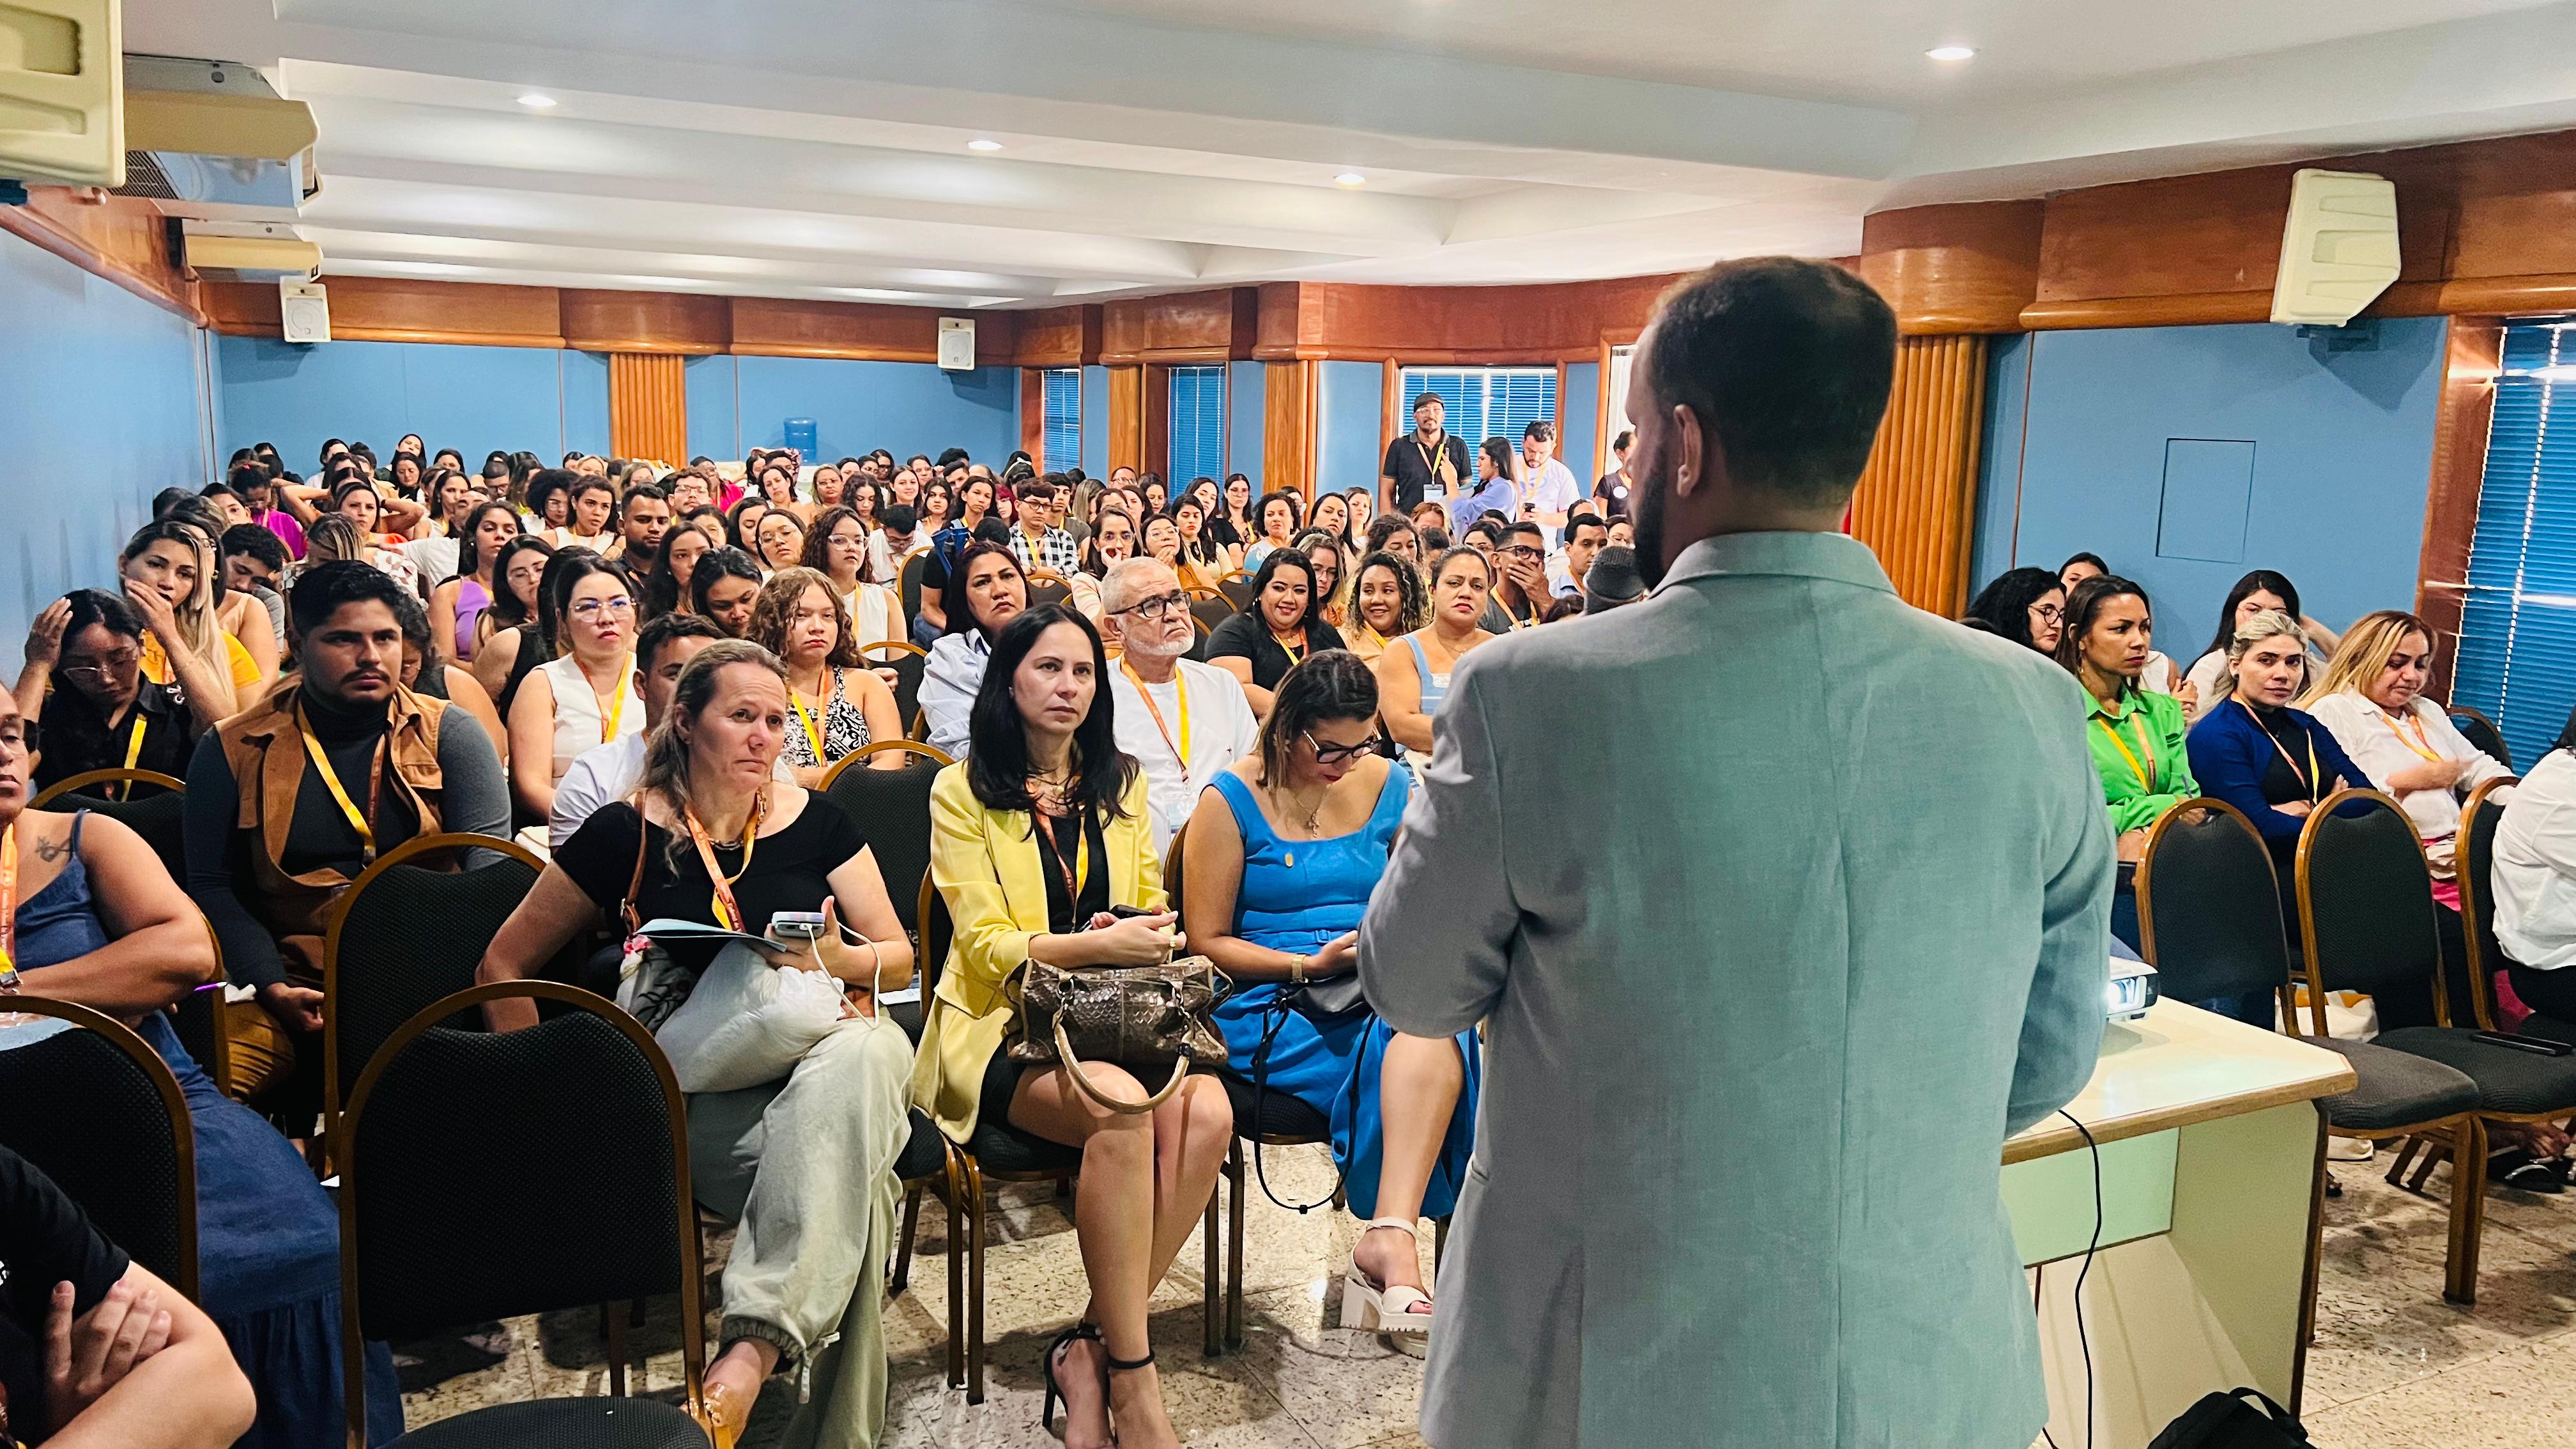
(982, 143)
(536, 102)
(1951, 52)
(1350, 178)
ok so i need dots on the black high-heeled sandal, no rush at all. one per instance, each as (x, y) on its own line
(1054, 1391)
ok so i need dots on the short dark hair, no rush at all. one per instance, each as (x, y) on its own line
(1574, 521)
(2095, 559)
(251, 539)
(660, 630)
(323, 589)
(949, 456)
(1539, 428)
(1485, 523)
(899, 517)
(245, 476)
(1620, 443)
(714, 566)
(1522, 525)
(1787, 364)
(97, 606)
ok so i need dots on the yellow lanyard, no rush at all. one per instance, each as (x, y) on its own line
(616, 710)
(1180, 683)
(133, 749)
(728, 910)
(2145, 772)
(2418, 744)
(2307, 782)
(331, 782)
(813, 734)
(1296, 655)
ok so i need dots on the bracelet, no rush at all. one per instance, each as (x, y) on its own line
(1297, 969)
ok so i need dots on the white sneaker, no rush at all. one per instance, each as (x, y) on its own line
(2350, 1149)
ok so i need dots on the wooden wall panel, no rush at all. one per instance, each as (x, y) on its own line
(1059, 337)
(648, 406)
(387, 309)
(1127, 417)
(1189, 327)
(1033, 413)
(2472, 357)
(1550, 322)
(1970, 268)
(861, 331)
(1917, 499)
(118, 238)
(681, 323)
(1289, 391)
(1154, 420)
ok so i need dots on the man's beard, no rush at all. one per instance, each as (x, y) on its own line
(1647, 490)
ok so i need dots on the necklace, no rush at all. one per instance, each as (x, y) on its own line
(1289, 801)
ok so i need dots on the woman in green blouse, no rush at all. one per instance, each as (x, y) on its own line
(2136, 735)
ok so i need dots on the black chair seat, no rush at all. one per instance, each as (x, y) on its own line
(906, 1014)
(1274, 1115)
(923, 1153)
(563, 1424)
(2509, 1081)
(1009, 1151)
(2397, 1089)
(2548, 1028)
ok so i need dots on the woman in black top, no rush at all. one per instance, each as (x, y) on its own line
(713, 839)
(84, 678)
(1275, 631)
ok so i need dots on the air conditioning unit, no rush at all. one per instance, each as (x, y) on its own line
(62, 113)
(209, 139)
(247, 251)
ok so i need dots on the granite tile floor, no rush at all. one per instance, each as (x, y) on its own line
(2393, 1366)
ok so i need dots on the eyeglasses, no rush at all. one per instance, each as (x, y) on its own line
(1157, 606)
(1524, 551)
(589, 609)
(2050, 612)
(1334, 754)
(116, 663)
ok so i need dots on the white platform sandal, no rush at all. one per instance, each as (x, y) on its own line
(1371, 1307)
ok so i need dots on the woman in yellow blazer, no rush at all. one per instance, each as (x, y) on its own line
(1035, 836)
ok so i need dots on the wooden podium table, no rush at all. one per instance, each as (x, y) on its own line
(2212, 1160)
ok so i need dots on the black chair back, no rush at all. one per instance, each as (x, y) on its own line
(2473, 861)
(1237, 589)
(488, 1176)
(892, 809)
(99, 1112)
(908, 585)
(1048, 588)
(2208, 907)
(2481, 731)
(2366, 902)
(403, 936)
(907, 662)
(151, 805)
(1211, 610)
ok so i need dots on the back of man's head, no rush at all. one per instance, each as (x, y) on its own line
(899, 518)
(1786, 362)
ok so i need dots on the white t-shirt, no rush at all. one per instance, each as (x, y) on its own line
(1220, 730)
(434, 557)
(609, 772)
(1554, 491)
(2371, 736)
(2535, 866)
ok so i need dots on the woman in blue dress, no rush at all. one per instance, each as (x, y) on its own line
(100, 922)
(1279, 860)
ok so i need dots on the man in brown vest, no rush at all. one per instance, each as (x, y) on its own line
(289, 800)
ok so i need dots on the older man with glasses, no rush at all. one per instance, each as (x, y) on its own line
(1182, 720)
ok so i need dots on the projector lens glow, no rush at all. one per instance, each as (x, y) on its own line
(1951, 52)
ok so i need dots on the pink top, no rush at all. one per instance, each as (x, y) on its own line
(282, 523)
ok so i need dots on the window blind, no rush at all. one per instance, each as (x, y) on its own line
(2517, 660)
(1198, 424)
(1060, 435)
(1482, 402)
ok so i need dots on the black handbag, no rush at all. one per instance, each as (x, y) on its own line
(1327, 1002)
(2236, 1419)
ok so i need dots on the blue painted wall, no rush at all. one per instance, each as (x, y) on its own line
(2342, 445)
(99, 410)
(585, 404)
(1247, 391)
(1582, 403)
(472, 399)
(1349, 411)
(709, 382)
(903, 407)
(1095, 421)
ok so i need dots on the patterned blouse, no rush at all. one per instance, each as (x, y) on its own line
(843, 728)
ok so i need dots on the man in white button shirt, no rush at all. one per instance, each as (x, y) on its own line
(1183, 721)
(1547, 486)
(610, 772)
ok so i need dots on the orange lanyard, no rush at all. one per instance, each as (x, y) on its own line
(2308, 781)
(1180, 747)
(1076, 873)
(2419, 744)
(2145, 772)
(616, 711)
(728, 910)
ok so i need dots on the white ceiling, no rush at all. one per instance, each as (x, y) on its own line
(817, 148)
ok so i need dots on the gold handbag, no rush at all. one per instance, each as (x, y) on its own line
(1134, 1016)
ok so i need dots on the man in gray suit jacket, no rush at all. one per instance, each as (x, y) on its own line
(1816, 918)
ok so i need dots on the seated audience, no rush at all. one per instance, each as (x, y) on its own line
(1199, 560)
(1276, 521)
(2372, 698)
(1282, 852)
(2026, 606)
(169, 574)
(804, 1161)
(457, 606)
(666, 580)
(781, 540)
(163, 1378)
(426, 672)
(2136, 734)
(1039, 539)
(663, 647)
(986, 590)
(643, 520)
(1522, 591)
(434, 545)
(1332, 568)
(2079, 568)
(893, 545)
(1411, 681)
(256, 487)
(2253, 594)
(838, 549)
(513, 641)
(290, 799)
(835, 703)
(722, 588)
(1332, 516)
(1614, 579)
(585, 695)
(1112, 542)
(1394, 533)
(2534, 881)
(1390, 601)
(2276, 763)
(84, 680)
(592, 501)
(1275, 630)
(254, 563)
(1036, 836)
(1585, 536)
(1180, 720)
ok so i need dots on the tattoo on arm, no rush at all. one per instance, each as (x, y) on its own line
(50, 851)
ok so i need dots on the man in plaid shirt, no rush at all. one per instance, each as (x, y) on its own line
(1040, 540)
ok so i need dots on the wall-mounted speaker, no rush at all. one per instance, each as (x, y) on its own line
(957, 344)
(303, 312)
(2338, 249)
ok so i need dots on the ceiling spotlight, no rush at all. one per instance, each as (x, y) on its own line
(981, 143)
(536, 102)
(1951, 52)
(1350, 178)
